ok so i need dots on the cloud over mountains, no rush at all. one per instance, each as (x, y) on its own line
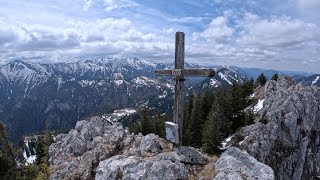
(252, 33)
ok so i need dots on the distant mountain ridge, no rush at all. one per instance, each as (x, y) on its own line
(34, 97)
(38, 96)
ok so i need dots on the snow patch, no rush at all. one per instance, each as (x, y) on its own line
(225, 142)
(143, 80)
(258, 106)
(85, 83)
(114, 117)
(118, 82)
(165, 93)
(243, 140)
(29, 160)
(32, 158)
(224, 78)
(214, 83)
(316, 80)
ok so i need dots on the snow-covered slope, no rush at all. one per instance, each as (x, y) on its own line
(38, 96)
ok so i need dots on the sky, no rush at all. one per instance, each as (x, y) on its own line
(270, 34)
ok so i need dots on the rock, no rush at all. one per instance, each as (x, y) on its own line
(237, 165)
(191, 155)
(97, 149)
(150, 144)
(136, 168)
(80, 151)
(287, 137)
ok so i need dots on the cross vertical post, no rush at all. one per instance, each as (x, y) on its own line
(174, 129)
(179, 83)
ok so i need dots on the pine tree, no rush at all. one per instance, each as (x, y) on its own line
(195, 125)
(275, 77)
(261, 80)
(159, 128)
(146, 126)
(212, 135)
(247, 87)
(40, 152)
(7, 163)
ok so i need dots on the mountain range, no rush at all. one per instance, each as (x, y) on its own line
(38, 96)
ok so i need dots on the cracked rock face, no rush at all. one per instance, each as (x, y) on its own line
(96, 149)
(237, 165)
(287, 139)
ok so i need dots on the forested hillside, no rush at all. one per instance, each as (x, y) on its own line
(208, 117)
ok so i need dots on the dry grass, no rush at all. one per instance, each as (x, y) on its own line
(207, 172)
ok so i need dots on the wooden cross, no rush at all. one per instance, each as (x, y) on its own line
(179, 73)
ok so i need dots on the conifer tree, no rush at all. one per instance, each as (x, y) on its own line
(195, 123)
(159, 128)
(212, 135)
(146, 126)
(275, 77)
(261, 80)
(7, 163)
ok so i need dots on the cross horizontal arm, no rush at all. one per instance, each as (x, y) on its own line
(164, 72)
(185, 72)
(199, 72)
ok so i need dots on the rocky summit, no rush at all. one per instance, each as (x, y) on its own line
(287, 136)
(98, 149)
(237, 165)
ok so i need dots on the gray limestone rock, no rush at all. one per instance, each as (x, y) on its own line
(137, 168)
(287, 137)
(237, 165)
(190, 155)
(77, 154)
(150, 144)
(97, 149)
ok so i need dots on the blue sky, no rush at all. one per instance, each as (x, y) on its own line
(252, 33)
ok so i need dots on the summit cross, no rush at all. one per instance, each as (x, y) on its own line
(179, 73)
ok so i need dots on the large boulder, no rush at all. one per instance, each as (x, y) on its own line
(98, 149)
(287, 137)
(136, 168)
(237, 165)
(76, 154)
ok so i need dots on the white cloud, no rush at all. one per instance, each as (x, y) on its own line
(277, 32)
(217, 31)
(186, 19)
(103, 37)
(111, 5)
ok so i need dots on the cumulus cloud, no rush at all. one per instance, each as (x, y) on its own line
(217, 31)
(278, 32)
(102, 37)
(67, 30)
(275, 41)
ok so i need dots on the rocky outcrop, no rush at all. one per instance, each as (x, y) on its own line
(97, 149)
(287, 136)
(237, 165)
